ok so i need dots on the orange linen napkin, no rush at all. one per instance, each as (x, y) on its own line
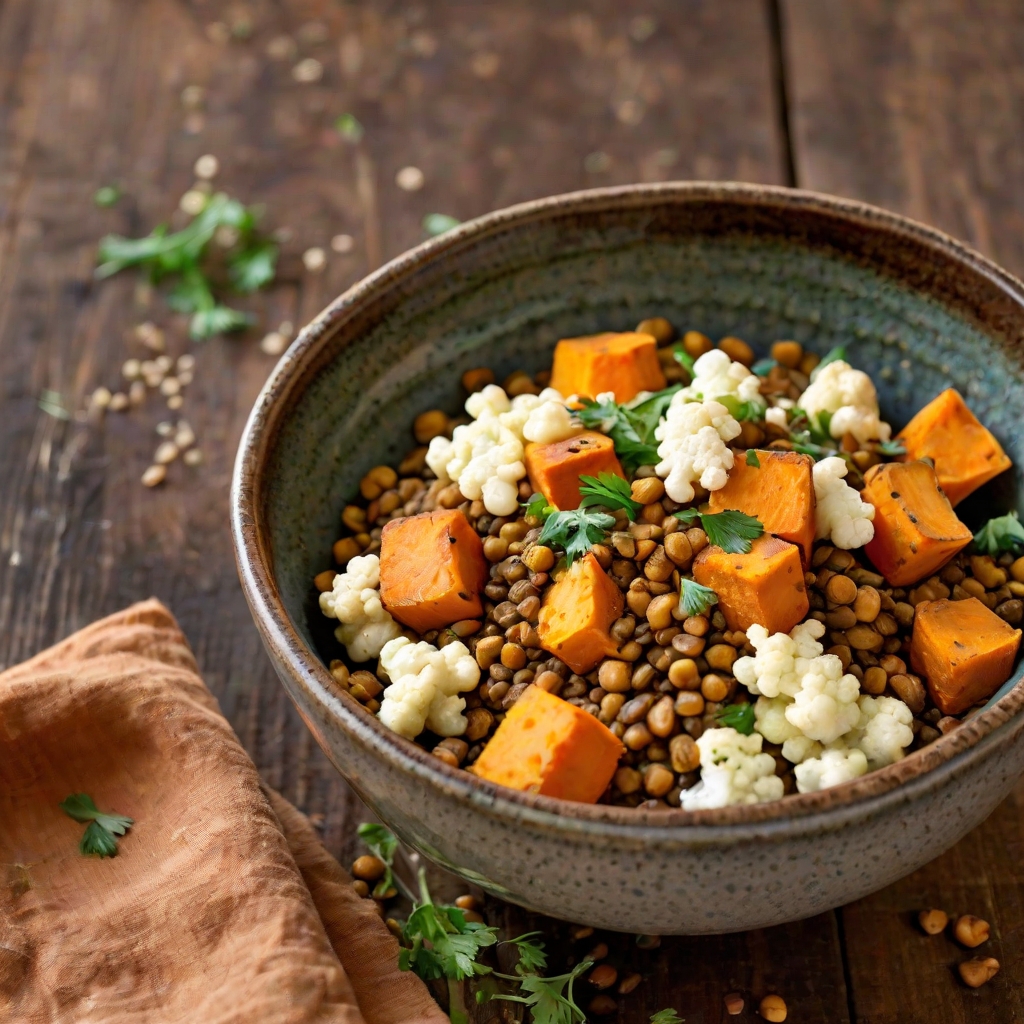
(221, 904)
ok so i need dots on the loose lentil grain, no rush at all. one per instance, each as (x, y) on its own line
(658, 780)
(978, 970)
(773, 1008)
(971, 931)
(910, 690)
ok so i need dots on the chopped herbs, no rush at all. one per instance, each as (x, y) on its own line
(1004, 533)
(730, 530)
(610, 491)
(438, 223)
(740, 410)
(685, 360)
(630, 426)
(695, 599)
(383, 843)
(251, 262)
(348, 127)
(666, 1016)
(892, 449)
(575, 532)
(532, 957)
(737, 716)
(752, 459)
(538, 508)
(100, 836)
(550, 999)
(106, 196)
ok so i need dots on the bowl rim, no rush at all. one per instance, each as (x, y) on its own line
(252, 547)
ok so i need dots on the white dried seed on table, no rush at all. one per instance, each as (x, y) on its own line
(193, 202)
(165, 429)
(152, 380)
(137, 392)
(410, 179)
(131, 369)
(314, 259)
(163, 363)
(151, 336)
(167, 452)
(175, 402)
(193, 457)
(184, 436)
(118, 402)
(185, 377)
(308, 70)
(274, 343)
(206, 166)
(101, 397)
(154, 475)
(186, 362)
(343, 243)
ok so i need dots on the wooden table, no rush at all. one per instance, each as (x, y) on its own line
(917, 105)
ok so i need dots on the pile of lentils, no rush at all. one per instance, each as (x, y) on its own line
(672, 676)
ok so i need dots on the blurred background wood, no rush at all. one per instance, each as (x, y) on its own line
(917, 105)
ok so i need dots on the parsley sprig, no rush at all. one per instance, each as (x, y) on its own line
(1004, 533)
(550, 1000)
(251, 262)
(574, 532)
(739, 717)
(695, 598)
(100, 836)
(730, 530)
(630, 426)
(383, 843)
(666, 1016)
(610, 491)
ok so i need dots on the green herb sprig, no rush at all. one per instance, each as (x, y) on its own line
(383, 843)
(666, 1016)
(752, 459)
(102, 830)
(732, 531)
(695, 598)
(739, 717)
(575, 532)
(1004, 533)
(609, 491)
(832, 356)
(630, 426)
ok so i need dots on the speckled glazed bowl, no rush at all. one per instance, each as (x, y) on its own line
(914, 307)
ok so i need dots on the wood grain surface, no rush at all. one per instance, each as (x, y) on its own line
(916, 105)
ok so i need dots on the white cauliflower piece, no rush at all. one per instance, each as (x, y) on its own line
(839, 513)
(733, 771)
(716, 375)
(837, 763)
(884, 731)
(771, 722)
(693, 438)
(825, 706)
(425, 683)
(366, 626)
(850, 396)
(782, 659)
(777, 416)
(485, 457)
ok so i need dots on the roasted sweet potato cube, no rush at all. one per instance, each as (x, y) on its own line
(432, 569)
(555, 469)
(964, 651)
(577, 614)
(765, 586)
(547, 745)
(625, 364)
(965, 454)
(780, 492)
(916, 529)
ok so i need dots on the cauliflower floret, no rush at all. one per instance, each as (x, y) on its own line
(716, 375)
(839, 513)
(850, 396)
(825, 706)
(485, 457)
(355, 601)
(837, 763)
(425, 683)
(733, 771)
(777, 416)
(693, 446)
(781, 660)
(884, 731)
(771, 722)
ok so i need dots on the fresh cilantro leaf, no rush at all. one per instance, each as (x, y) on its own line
(538, 508)
(752, 459)
(684, 359)
(1004, 533)
(435, 224)
(820, 426)
(695, 599)
(739, 410)
(383, 843)
(99, 839)
(730, 530)
(739, 717)
(644, 414)
(608, 490)
(348, 127)
(107, 195)
(575, 532)
(603, 416)
(205, 323)
(253, 267)
(832, 356)
(763, 367)
(532, 957)
(666, 1016)
(631, 426)
(550, 1000)
(892, 449)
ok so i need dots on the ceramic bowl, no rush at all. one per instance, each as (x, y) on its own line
(915, 308)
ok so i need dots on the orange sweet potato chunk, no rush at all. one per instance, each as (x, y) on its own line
(555, 469)
(547, 745)
(916, 529)
(765, 586)
(623, 363)
(780, 493)
(965, 454)
(432, 569)
(577, 613)
(964, 651)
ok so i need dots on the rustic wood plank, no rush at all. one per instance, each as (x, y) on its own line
(917, 106)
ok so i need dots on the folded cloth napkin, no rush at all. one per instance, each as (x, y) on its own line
(221, 904)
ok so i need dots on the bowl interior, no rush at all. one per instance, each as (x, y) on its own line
(502, 297)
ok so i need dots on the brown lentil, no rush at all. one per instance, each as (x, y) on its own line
(629, 983)
(659, 611)
(661, 719)
(787, 353)
(864, 638)
(734, 1002)
(841, 590)
(368, 868)
(971, 931)
(658, 780)
(477, 379)
(773, 1008)
(978, 970)
(714, 688)
(874, 681)
(627, 780)
(684, 753)
(488, 650)
(602, 1005)
(480, 722)
(932, 921)
(648, 490)
(909, 690)
(637, 736)
(720, 657)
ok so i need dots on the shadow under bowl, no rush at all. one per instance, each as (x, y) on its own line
(916, 309)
